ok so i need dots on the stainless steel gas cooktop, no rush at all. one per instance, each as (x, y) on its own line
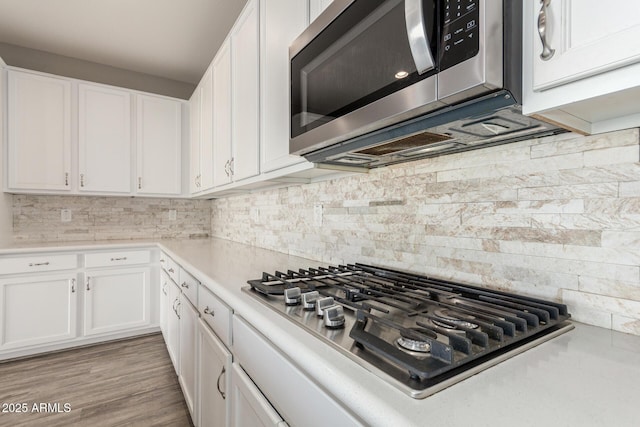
(419, 333)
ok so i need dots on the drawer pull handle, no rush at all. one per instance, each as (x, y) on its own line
(88, 287)
(124, 258)
(185, 285)
(207, 310)
(73, 286)
(162, 261)
(222, 393)
(38, 264)
(171, 270)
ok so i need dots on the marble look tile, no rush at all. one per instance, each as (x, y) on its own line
(578, 144)
(626, 324)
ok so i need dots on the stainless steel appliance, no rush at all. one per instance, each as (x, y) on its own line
(419, 333)
(376, 82)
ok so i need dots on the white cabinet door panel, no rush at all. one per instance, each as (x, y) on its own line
(214, 371)
(249, 406)
(159, 145)
(104, 139)
(194, 141)
(206, 132)
(282, 21)
(116, 300)
(37, 310)
(222, 115)
(39, 132)
(589, 37)
(188, 353)
(173, 325)
(245, 65)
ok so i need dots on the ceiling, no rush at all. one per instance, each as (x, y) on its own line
(172, 39)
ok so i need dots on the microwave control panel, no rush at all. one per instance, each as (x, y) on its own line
(460, 34)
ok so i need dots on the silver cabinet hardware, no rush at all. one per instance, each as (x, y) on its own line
(177, 307)
(88, 279)
(207, 310)
(171, 270)
(139, 183)
(124, 258)
(81, 180)
(547, 51)
(164, 288)
(222, 393)
(185, 285)
(38, 264)
(66, 179)
(231, 166)
(162, 261)
(226, 167)
(73, 286)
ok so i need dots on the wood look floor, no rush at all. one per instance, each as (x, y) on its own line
(124, 383)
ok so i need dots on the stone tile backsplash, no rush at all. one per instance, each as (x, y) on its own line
(37, 218)
(556, 217)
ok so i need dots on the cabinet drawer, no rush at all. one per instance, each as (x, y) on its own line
(189, 286)
(37, 263)
(215, 313)
(169, 266)
(107, 259)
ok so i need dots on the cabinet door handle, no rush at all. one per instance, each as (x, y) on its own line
(81, 180)
(164, 288)
(88, 287)
(38, 264)
(177, 307)
(222, 393)
(231, 166)
(547, 52)
(207, 310)
(185, 285)
(66, 179)
(73, 286)
(124, 258)
(139, 183)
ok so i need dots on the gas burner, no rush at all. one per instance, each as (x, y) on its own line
(450, 320)
(414, 344)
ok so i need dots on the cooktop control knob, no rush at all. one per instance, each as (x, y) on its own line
(309, 300)
(322, 304)
(292, 296)
(334, 317)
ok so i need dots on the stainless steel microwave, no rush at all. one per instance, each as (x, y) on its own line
(376, 82)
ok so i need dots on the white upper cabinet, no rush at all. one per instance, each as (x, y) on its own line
(245, 67)
(201, 125)
(104, 139)
(316, 7)
(222, 115)
(582, 63)
(280, 23)
(159, 145)
(39, 131)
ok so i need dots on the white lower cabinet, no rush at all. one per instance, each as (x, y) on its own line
(250, 407)
(188, 352)
(276, 377)
(165, 282)
(117, 300)
(37, 310)
(173, 325)
(214, 370)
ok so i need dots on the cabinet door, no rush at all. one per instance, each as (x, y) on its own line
(159, 145)
(222, 115)
(589, 37)
(173, 325)
(281, 22)
(104, 137)
(206, 132)
(214, 363)
(37, 310)
(249, 407)
(188, 352)
(316, 7)
(165, 282)
(116, 300)
(245, 67)
(39, 131)
(194, 141)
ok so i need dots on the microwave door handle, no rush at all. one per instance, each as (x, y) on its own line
(416, 31)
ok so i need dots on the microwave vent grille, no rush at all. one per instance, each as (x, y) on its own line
(411, 142)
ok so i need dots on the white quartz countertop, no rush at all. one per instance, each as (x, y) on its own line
(587, 377)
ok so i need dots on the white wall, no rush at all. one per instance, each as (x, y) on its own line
(6, 200)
